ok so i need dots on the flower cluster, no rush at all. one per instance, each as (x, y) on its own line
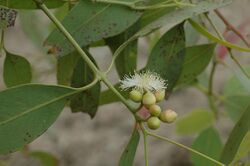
(148, 88)
(145, 81)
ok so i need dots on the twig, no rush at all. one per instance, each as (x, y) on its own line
(181, 146)
(231, 27)
(145, 138)
(229, 49)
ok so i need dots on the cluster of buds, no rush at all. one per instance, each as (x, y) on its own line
(148, 89)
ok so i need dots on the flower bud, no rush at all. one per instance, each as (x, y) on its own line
(153, 123)
(159, 95)
(148, 99)
(168, 116)
(155, 110)
(135, 95)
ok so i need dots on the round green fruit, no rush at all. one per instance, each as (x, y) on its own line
(168, 116)
(155, 110)
(153, 123)
(159, 95)
(135, 95)
(148, 99)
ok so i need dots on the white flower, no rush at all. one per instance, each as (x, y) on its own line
(145, 81)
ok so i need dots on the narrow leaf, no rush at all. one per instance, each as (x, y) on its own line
(86, 101)
(209, 143)
(89, 22)
(167, 56)
(28, 111)
(17, 70)
(129, 152)
(196, 60)
(236, 136)
(195, 122)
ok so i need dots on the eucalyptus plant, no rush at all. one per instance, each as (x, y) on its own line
(28, 109)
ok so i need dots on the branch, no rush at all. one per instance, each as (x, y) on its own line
(92, 66)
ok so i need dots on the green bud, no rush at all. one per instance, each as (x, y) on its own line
(153, 123)
(135, 95)
(168, 116)
(148, 99)
(160, 95)
(155, 110)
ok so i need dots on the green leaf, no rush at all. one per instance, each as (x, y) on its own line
(89, 22)
(88, 100)
(65, 67)
(45, 158)
(167, 56)
(126, 61)
(30, 4)
(209, 143)
(28, 111)
(213, 38)
(17, 70)
(175, 17)
(129, 152)
(244, 148)
(236, 136)
(196, 60)
(194, 122)
(237, 97)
